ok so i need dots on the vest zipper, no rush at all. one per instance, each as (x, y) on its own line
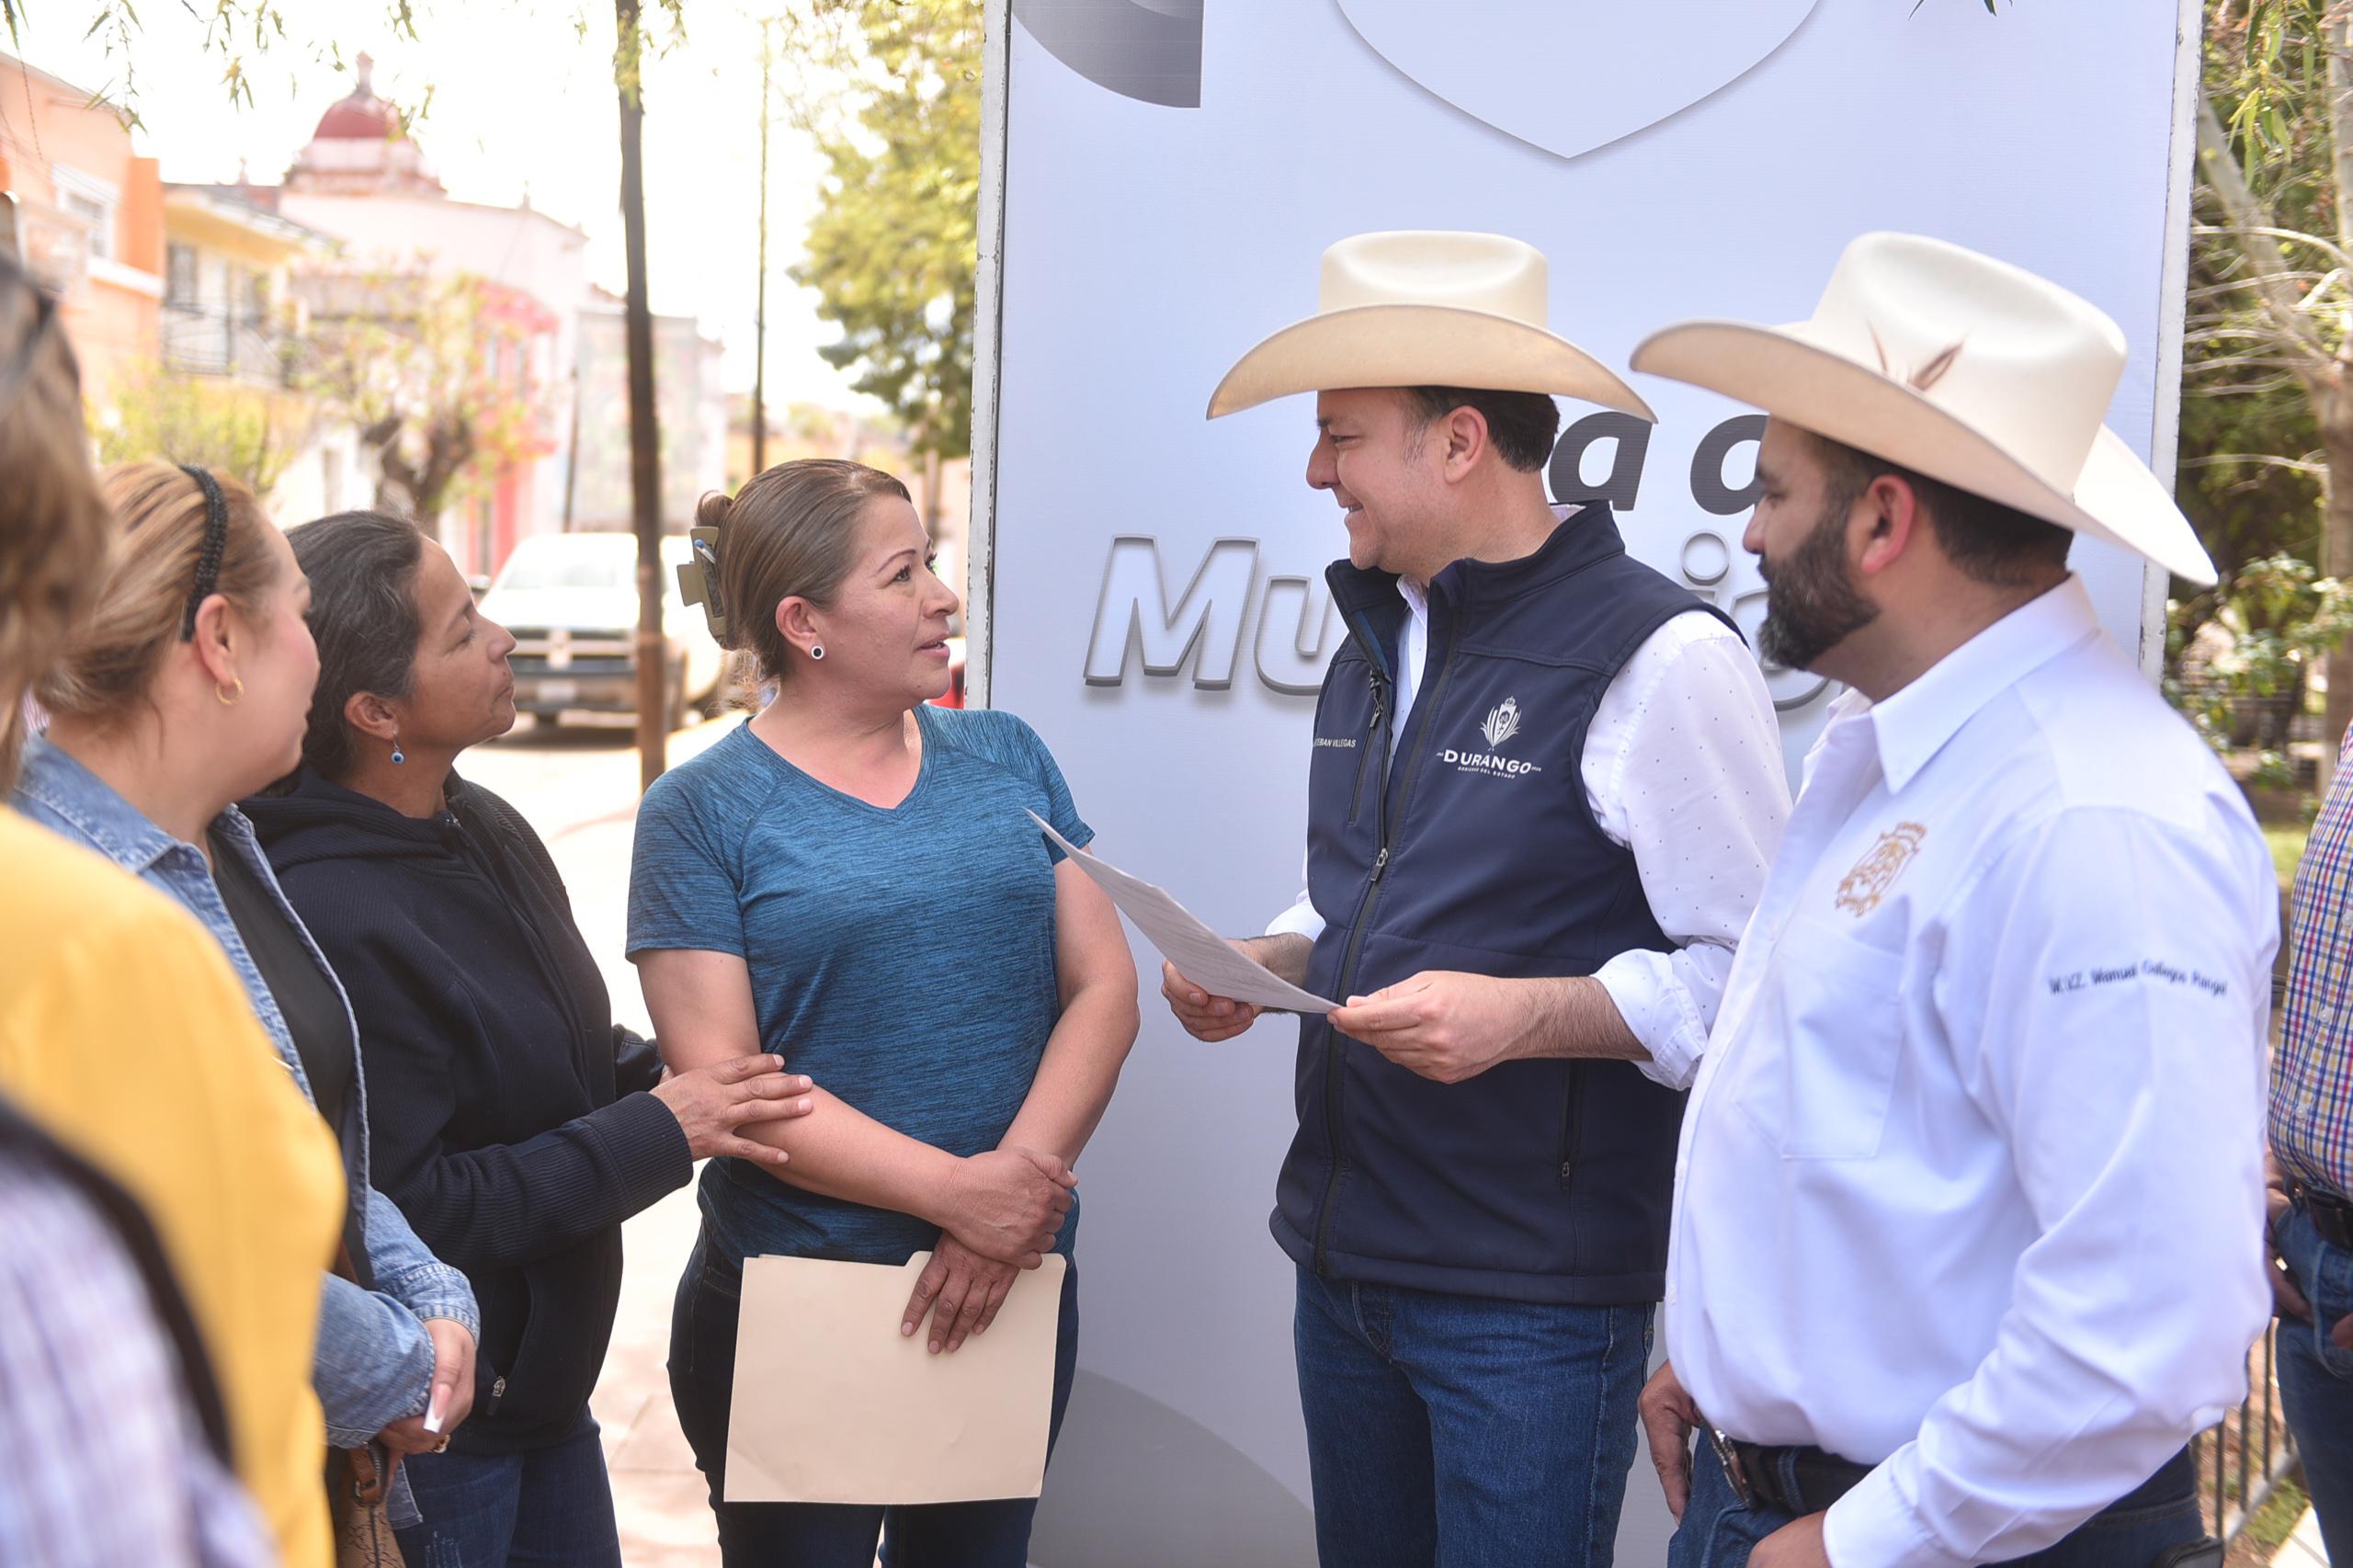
(1572, 1101)
(1373, 740)
(1390, 811)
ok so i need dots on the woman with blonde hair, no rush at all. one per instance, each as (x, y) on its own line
(125, 1036)
(186, 690)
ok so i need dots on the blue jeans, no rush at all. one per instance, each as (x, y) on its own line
(830, 1535)
(2316, 1377)
(1718, 1532)
(551, 1505)
(1463, 1431)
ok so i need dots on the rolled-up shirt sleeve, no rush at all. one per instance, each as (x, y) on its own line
(2105, 986)
(1683, 766)
(1301, 919)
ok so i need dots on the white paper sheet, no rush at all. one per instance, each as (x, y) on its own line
(1200, 955)
(832, 1404)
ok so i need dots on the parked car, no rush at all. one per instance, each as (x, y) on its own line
(571, 601)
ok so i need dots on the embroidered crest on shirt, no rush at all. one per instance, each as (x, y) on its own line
(1864, 886)
(1502, 723)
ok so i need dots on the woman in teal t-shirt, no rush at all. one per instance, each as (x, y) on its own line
(849, 880)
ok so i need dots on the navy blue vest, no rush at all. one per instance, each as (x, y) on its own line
(1475, 850)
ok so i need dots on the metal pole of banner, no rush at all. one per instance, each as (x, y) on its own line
(645, 432)
(2267, 1396)
(760, 295)
(2246, 1455)
(2215, 1436)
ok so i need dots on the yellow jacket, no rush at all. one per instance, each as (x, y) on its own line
(124, 1031)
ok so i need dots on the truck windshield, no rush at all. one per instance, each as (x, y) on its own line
(574, 562)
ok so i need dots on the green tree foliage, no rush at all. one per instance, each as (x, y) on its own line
(2266, 448)
(247, 431)
(894, 252)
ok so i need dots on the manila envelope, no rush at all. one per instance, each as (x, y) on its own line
(832, 1404)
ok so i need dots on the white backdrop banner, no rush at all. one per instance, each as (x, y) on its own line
(1150, 585)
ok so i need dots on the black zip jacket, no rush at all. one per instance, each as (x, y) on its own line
(507, 1111)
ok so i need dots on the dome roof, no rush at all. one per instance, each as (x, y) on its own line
(353, 120)
(361, 116)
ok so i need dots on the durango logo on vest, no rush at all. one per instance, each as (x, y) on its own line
(1502, 724)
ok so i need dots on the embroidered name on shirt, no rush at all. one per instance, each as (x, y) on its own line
(1502, 724)
(2147, 969)
(1338, 742)
(1864, 886)
(1487, 762)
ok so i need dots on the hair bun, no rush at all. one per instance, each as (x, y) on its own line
(711, 511)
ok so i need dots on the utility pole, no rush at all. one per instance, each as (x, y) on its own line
(645, 432)
(760, 297)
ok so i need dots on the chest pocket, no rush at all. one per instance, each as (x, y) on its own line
(1830, 1020)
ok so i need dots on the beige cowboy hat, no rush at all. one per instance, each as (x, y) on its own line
(1425, 307)
(1960, 367)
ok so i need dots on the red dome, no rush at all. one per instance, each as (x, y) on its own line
(357, 118)
(361, 116)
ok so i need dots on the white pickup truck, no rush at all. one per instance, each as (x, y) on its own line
(571, 601)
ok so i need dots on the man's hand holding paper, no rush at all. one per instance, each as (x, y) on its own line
(1219, 969)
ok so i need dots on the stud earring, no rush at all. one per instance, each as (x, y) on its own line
(816, 649)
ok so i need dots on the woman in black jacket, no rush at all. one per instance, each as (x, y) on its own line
(513, 1123)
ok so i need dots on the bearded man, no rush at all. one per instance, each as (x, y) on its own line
(1969, 1200)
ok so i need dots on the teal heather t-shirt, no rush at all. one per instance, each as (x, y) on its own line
(903, 959)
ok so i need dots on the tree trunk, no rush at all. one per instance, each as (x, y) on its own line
(2332, 406)
(2333, 411)
(645, 432)
(760, 290)
(2337, 32)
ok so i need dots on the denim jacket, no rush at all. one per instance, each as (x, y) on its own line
(374, 1359)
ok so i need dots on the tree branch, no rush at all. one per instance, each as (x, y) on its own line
(2257, 238)
(2336, 252)
(2313, 467)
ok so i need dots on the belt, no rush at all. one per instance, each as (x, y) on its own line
(1797, 1480)
(1794, 1479)
(2330, 1215)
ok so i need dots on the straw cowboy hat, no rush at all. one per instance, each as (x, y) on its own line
(1425, 307)
(1960, 367)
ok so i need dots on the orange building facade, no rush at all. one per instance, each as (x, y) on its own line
(85, 216)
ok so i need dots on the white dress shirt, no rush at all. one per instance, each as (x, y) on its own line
(1682, 765)
(1969, 1186)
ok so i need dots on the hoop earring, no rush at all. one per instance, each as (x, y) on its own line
(397, 758)
(226, 698)
(816, 649)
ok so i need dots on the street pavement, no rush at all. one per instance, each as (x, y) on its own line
(579, 789)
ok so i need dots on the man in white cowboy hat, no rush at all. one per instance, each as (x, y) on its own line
(1544, 784)
(1969, 1196)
